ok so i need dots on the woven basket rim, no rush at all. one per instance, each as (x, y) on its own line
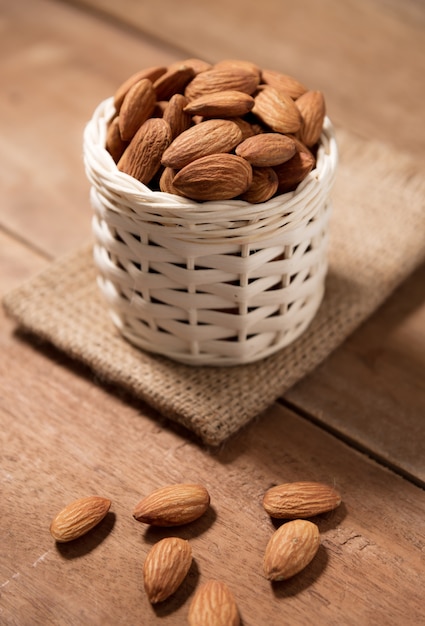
(124, 189)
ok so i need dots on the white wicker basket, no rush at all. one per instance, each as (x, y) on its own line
(212, 283)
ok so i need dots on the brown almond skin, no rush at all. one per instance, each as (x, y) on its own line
(290, 549)
(214, 177)
(300, 500)
(283, 82)
(213, 605)
(114, 144)
(277, 110)
(165, 568)
(209, 137)
(238, 64)
(267, 149)
(152, 73)
(166, 181)
(142, 158)
(78, 518)
(226, 103)
(292, 172)
(313, 110)
(263, 187)
(176, 116)
(222, 79)
(173, 505)
(137, 107)
(173, 81)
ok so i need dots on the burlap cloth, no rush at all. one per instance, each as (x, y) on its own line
(377, 239)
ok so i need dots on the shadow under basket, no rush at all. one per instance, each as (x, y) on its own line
(211, 283)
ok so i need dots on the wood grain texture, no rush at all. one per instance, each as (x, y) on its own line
(367, 57)
(372, 389)
(64, 435)
(56, 65)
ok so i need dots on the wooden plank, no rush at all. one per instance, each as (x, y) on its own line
(64, 437)
(372, 389)
(367, 57)
(50, 87)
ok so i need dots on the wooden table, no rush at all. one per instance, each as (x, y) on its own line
(356, 422)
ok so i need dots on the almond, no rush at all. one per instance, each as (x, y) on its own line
(266, 149)
(78, 518)
(175, 115)
(142, 158)
(152, 73)
(300, 499)
(213, 605)
(277, 110)
(165, 568)
(283, 82)
(209, 137)
(173, 81)
(291, 548)
(114, 144)
(313, 110)
(292, 172)
(222, 79)
(247, 129)
(263, 187)
(198, 65)
(137, 107)
(173, 505)
(166, 181)
(238, 64)
(225, 103)
(214, 177)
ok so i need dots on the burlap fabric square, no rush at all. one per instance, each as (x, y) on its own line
(377, 240)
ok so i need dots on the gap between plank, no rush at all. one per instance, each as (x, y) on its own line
(352, 443)
(26, 243)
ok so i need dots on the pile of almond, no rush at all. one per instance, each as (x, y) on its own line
(290, 549)
(216, 132)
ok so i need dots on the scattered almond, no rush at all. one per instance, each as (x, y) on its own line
(165, 568)
(78, 518)
(300, 499)
(173, 505)
(213, 605)
(291, 548)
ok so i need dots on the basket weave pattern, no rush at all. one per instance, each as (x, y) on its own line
(218, 283)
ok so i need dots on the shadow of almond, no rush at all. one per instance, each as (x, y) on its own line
(304, 579)
(88, 542)
(181, 596)
(185, 531)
